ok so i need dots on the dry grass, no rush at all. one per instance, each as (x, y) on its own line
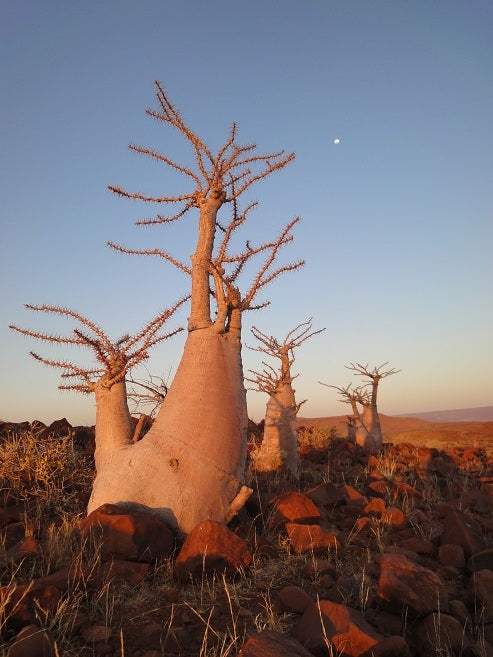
(211, 617)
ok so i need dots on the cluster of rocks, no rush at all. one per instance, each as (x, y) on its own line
(398, 563)
(83, 437)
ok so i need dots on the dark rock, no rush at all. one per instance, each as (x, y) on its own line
(32, 641)
(439, 632)
(294, 598)
(451, 555)
(404, 584)
(268, 643)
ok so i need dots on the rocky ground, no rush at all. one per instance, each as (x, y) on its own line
(388, 555)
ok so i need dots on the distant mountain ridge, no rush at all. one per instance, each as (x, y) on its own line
(478, 414)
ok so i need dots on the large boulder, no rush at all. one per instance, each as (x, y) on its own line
(128, 535)
(211, 547)
(404, 584)
(295, 507)
(460, 529)
(329, 628)
(32, 641)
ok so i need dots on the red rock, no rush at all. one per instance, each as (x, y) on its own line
(130, 572)
(310, 538)
(210, 547)
(28, 547)
(353, 497)
(93, 579)
(403, 583)
(327, 495)
(393, 517)
(13, 533)
(294, 598)
(21, 604)
(6, 518)
(476, 500)
(375, 474)
(347, 631)
(365, 525)
(295, 507)
(392, 646)
(379, 488)
(406, 490)
(128, 535)
(375, 507)
(439, 632)
(387, 623)
(459, 529)
(459, 610)
(269, 643)
(418, 545)
(95, 633)
(451, 555)
(32, 641)
(317, 567)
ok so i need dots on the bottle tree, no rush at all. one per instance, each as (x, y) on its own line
(190, 465)
(366, 428)
(107, 381)
(279, 447)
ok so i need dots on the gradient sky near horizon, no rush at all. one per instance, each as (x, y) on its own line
(396, 228)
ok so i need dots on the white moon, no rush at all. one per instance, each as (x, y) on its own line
(337, 140)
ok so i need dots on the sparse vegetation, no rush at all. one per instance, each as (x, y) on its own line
(46, 482)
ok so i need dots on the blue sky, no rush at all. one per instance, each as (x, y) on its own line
(396, 219)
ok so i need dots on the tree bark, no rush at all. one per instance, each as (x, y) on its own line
(113, 421)
(189, 467)
(279, 447)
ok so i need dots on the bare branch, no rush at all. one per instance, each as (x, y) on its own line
(158, 252)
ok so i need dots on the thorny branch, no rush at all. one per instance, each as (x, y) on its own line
(116, 358)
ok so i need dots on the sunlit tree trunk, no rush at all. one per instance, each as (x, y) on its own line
(189, 466)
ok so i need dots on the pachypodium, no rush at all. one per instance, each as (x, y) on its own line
(356, 427)
(366, 427)
(190, 465)
(107, 381)
(279, 447)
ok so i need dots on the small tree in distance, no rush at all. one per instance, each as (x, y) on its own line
(279, 448)
(367, 429)
(357, 431)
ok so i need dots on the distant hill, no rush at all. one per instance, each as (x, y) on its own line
(479, 414)
(417, 430)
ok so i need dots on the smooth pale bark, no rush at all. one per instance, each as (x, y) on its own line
(279, 447)
(376, 429)
(364, 434)
(189, 467)
(361, 434)
(113, 421)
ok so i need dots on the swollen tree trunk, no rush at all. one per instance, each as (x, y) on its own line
(361, 434)
(113, 421)
(279, 447)
(376, 429)
(369, 436)
(189, 466)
